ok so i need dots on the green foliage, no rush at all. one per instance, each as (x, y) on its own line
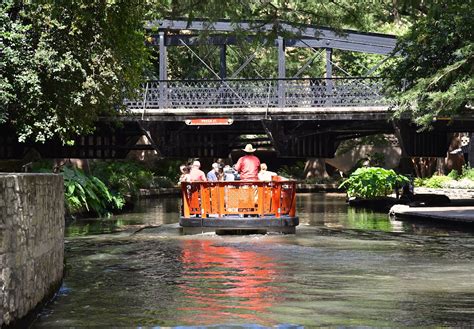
(65, 63)
(84, 193)
(453, 174)
(434, 76)
(162, 181)
(419, 182)
(372, 182)
(452, 180)
(467, 172)
(168, 168)
(295, 171)
(125, 178)
(364, 15)
(436, 181)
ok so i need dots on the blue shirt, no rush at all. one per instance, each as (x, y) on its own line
(211, 176)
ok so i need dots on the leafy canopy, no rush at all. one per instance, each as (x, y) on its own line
(434, 76)
(64, 63)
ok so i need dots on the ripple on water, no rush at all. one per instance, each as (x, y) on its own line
(331, 273)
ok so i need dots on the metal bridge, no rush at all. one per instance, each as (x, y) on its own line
(211, 116)
(169, 96)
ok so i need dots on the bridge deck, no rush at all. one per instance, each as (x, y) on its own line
(259, 113)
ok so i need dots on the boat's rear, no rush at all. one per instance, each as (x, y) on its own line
(239, 206)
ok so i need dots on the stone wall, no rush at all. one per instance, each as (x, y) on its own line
(31, 241)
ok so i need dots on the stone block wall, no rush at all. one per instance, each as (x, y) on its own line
(31, 241)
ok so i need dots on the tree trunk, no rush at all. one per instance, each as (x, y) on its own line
(471, 151)
(424, 166)
(315, 168)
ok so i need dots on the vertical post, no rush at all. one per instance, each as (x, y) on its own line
(260, 198)
(281, 71)
(329, 82)
(163, 70)
(186, 211)
(470, 156)
(276, 198)
(223, 61)
(293, 200)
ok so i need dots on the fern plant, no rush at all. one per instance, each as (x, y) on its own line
(88, 194)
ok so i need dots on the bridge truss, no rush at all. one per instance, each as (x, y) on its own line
(295, 117)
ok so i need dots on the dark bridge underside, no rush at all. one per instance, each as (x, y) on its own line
(288, 138)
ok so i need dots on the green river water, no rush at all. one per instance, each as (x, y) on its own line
(343, 267)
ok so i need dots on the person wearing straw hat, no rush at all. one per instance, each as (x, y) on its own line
(248, 164)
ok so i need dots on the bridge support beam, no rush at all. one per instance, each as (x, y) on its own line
(281, 71)
(329, 85)
(163, 74)
(223, 62)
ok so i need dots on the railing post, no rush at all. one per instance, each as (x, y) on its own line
(276, 198)
(292, 212)
(184, 193)
(223, 62)
(281, 72)
(329, 82)
(163, 71)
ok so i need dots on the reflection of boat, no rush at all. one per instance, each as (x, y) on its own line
(239, 205)
(224, 283)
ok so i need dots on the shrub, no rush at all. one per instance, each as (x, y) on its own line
(125, 178)
(168, 168)
(418, 182)
(467, 172)
(85, 193)
(453, 174)
(295, 171)
(371, 182)
(437, 181)
(162, 181)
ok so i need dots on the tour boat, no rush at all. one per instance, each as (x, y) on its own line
(251, 206)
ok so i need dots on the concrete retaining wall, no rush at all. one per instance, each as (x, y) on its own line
(31, 241)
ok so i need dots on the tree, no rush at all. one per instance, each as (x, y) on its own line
(65, 63)
(434, 75)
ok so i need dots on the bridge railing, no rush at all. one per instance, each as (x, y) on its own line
(260, 93)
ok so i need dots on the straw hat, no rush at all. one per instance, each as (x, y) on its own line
(249, 148)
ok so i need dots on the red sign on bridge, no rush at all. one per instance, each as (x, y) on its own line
(209, 122)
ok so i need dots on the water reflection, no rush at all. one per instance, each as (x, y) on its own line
(343, 267)
(224, 282)
(148, 212)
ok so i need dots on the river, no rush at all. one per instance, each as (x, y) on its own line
(343, 267)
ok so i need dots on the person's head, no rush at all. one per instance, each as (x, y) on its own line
(215, 166)
(263, 166)
(196, 164)
(184, 169)
(249, 149)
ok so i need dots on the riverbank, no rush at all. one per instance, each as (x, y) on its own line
(460, 209)
(457, 214)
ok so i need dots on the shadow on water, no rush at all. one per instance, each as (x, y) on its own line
(343, 267)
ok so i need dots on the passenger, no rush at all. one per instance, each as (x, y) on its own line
(184, 174)
(212, 175)
(264, 174)
(196, 174)
(248, 164)
(229, 174)
(220, 173)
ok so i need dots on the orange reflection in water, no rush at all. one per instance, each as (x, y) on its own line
(223, 283)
